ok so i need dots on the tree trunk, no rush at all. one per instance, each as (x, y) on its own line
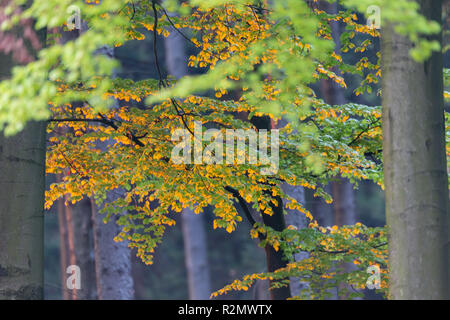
(261, 290)
(275, 259)
(75, 226)
(333, 94)
(83, 246)
(66, 245)
(196, 258)
(194, 237)
(138, 271)
(112, 259)
(22, 185)
(298, 220)
(344, 210)
(71, 258)
(322, 211)
(63, 246)
(415, 167)
(343, 202)
(76, 248)
(344, 214)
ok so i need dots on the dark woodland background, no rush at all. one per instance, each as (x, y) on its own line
(230, 256)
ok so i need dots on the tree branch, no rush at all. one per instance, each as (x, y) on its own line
(245, 208)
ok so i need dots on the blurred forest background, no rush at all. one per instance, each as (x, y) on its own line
(229, 256)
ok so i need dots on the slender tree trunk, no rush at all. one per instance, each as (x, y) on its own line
(298, 220)
(194, 236)
(343, 202)
(83, 246)
(63, 248)
(76, 248)
(261, 290)
(138, 271)
(76, 231)
(275, 259)
(343, 194)
(415, 167)
(72, 260)
(344, 210)
(344, 214)
(196, 258)
(333, 94)
(67, 249)
(322, 211)
(112, 259)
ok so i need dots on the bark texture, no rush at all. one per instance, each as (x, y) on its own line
(22, 185)
(415, 167)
